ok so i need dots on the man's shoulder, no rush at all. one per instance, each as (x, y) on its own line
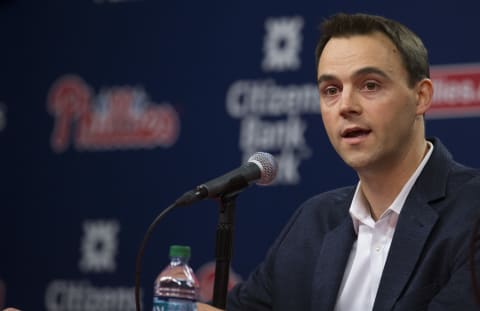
(464, 174)
(335, 196)
(316, 216)
(463, 180)
(333, 203)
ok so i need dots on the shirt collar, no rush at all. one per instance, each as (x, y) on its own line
(359, 210)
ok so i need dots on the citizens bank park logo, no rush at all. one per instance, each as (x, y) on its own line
(99, 246)
(115, 118)
(270, 114)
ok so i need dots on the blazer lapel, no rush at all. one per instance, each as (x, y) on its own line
(330, 266)
(415, 223)
(410, 236)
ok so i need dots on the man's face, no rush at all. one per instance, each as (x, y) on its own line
(369, 112)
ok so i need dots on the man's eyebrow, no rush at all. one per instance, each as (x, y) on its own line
(359, 72)
(325, 77)
(369, 70)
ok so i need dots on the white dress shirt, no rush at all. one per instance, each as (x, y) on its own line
(369, 253)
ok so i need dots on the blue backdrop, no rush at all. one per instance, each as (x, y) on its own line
(111, 109)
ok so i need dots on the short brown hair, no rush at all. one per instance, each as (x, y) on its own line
(412, 51)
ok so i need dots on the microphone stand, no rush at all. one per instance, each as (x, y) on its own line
(224, 243)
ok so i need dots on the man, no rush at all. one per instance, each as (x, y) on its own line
(400, 238)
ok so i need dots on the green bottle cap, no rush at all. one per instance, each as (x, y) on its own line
(180, 251)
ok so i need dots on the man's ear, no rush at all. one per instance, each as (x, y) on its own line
(424, 90)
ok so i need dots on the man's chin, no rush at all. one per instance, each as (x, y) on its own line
(359, 164)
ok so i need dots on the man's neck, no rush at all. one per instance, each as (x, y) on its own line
(382, 185)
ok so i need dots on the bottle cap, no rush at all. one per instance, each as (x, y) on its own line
(180, 251)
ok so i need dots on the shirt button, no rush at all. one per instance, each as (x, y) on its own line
(377, 248)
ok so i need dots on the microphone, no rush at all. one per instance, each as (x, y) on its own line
(261, 167)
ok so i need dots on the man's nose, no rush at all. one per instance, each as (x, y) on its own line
(349, 103)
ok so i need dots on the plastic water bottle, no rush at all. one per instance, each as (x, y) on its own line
(175, 288)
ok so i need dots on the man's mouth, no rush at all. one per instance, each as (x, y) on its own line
(355, 132)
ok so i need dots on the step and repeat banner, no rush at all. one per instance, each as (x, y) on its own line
(111, 109)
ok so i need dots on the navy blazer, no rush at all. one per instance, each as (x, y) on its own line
(427, 267)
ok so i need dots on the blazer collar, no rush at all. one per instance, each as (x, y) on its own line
(415, 223)
(432, 182)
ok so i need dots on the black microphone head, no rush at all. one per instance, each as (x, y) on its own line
(268, 166)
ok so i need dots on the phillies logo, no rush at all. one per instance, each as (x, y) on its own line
(456, 91)
(116, 118)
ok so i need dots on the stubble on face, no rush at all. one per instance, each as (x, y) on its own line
(367, 107)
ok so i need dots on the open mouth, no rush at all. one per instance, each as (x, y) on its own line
(355, 132)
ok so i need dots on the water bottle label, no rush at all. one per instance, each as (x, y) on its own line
(172, 304)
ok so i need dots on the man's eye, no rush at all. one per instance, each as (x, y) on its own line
(330, 91)
(371, 86)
